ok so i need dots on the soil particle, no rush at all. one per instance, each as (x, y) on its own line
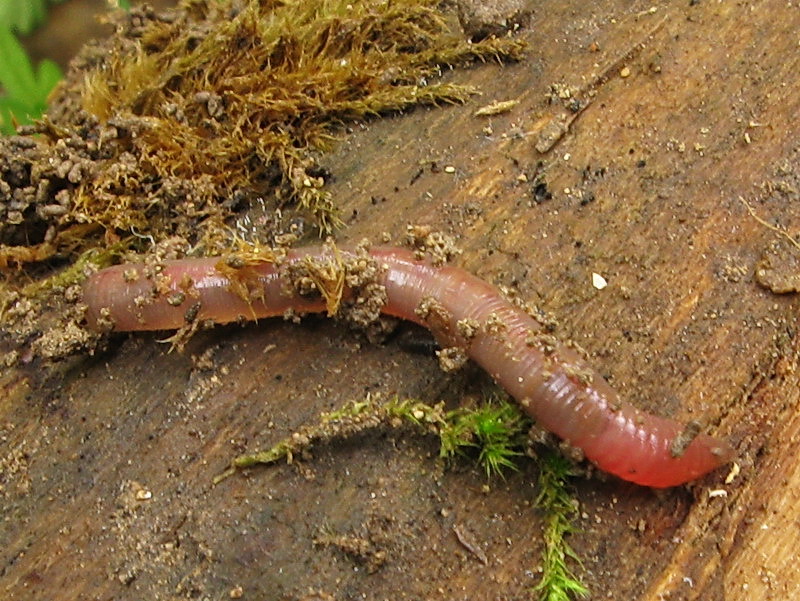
(315, 595)
(438, 320)
(684, 439)
(546, 342)
(468, 327)
(349, 283)
(452, 358)
(368, 297)
(582, 374)
(480, 19)
(61, 342)
(436, 246)
(779, 268)
(495, 326)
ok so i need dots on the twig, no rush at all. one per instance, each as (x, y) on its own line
(778, 230)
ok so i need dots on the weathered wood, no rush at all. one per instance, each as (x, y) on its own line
(106, 487)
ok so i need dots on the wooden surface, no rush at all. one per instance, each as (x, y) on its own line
(106, 471)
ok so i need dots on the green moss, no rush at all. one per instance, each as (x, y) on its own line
(558, 582)
(495, 430)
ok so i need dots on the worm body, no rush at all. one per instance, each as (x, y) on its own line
(552, 383)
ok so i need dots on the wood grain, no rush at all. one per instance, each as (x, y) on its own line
(106, 472)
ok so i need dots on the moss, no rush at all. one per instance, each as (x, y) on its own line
(496, 430)
(188, 119)
(247, 102)
(558, 581)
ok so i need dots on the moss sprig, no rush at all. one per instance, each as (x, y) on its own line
(495, 430)
(558, 581)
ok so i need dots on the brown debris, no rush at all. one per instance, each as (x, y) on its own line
(481, 19)
(682, 441)
(436, 246)
(778, 270)
(452, 358)
(467, 540)
(363, 550)
(438, 320)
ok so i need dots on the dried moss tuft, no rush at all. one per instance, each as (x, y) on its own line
(188, 119)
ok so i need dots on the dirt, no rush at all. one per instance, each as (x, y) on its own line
(778, 269)
(481, 19)
(436, 246)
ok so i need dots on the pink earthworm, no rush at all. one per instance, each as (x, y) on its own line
(552, 382)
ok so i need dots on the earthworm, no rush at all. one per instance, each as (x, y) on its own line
(551, 381)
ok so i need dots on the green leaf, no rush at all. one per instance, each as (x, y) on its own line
(24, 91)
(16, 71)
(14, 104)
(22, 15)
(48, 74)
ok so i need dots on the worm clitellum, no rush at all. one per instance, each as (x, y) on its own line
(551, 382)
